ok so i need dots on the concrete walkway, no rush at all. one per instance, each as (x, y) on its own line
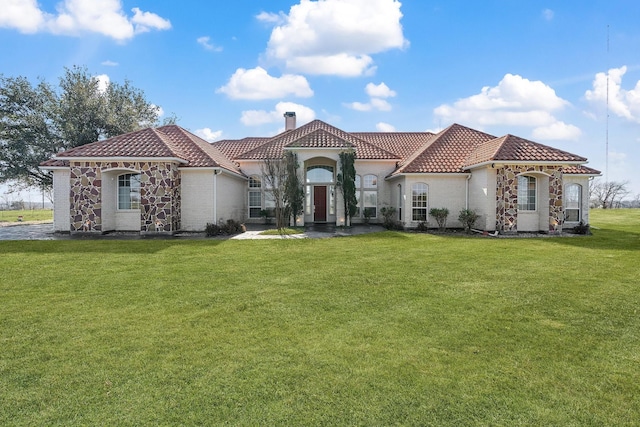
(45, 232)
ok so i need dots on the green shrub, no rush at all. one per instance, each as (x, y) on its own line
(230, 227)
(440, 215)
(422, 226)
(582, 228)
(388, 221)
(468, 218)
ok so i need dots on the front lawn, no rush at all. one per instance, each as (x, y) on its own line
(382, 329)
(26, 215)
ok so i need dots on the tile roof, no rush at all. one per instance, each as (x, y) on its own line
(316, 134)
(147, 142)
(453, 150)
(165, 142)
(514, 148)
(233, 148)
(402, 144)
(580, 170)
(446, 152)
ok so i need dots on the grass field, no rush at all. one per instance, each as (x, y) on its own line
(27, 215)
(381, 329)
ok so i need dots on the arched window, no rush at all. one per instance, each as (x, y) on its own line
(526, 193)
(129, 191)
(255, 196)
(573, 203)
(419, 201)
(319, 174)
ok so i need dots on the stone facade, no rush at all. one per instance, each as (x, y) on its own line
(507, 196)
(159, 194)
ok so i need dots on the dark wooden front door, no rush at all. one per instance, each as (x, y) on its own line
(320, 203)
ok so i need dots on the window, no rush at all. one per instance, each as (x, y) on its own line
(526, 193)
(358, 198)
(129, 191)
(370, 196)
(419, 199)
(573, 203)
(255, 196)
(320, 174)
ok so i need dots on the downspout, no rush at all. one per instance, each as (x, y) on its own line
(215, 196)
(466, 201)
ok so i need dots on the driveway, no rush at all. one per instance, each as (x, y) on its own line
(45, 232)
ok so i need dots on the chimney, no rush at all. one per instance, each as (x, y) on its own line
(289, 120)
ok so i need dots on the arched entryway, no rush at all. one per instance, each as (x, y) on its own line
(320, 190)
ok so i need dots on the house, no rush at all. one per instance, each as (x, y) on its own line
(168, 179)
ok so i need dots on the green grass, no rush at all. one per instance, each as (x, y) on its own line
(27, 215)
(284, 231)
(380, 329)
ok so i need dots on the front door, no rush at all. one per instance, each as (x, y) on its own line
(320, 203)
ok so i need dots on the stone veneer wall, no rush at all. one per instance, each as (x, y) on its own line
(507, 195)
(159, 193)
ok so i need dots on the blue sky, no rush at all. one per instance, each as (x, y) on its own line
(536, 69)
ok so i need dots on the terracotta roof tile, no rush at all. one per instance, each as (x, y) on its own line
(580, 170)
(514, 148)
(402, 144)
(307, 133)
(165, 142)
(446, 152)
(233, 148)
(147, 142)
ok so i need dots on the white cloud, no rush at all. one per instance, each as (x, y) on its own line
(205, 42)
(336, 37)
(385, 127)
(260, 117)
(23, 15)
(623, 103)
(272, 18)
(548, 14)
(557, 131)
(208, 134)
(256, 84)
(146, 21)
(516, 101)
(159, 110)
(75, 17)
(376, 93)
(379, 91)
(109, 63)
(103, 82)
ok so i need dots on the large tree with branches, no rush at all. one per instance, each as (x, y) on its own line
(607, 194)
(38, 121)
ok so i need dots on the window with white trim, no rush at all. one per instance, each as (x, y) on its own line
(573, 203)
(255, 196)
(419, 201)
(358, 183)
(129, 191)
(526, 193)
(370, 195)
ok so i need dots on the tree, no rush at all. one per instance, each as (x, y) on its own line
(274, 172)
(347, 184)
(607, 194)
(38, 121)
(293, 191)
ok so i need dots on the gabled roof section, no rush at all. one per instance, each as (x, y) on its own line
(446, 152)
(165, 142)
(516, 149)
(402, 144)
(316, 134)
(320, 138)
(147, 142)
(199, 152)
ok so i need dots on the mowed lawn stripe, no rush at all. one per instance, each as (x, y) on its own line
(387, 328)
